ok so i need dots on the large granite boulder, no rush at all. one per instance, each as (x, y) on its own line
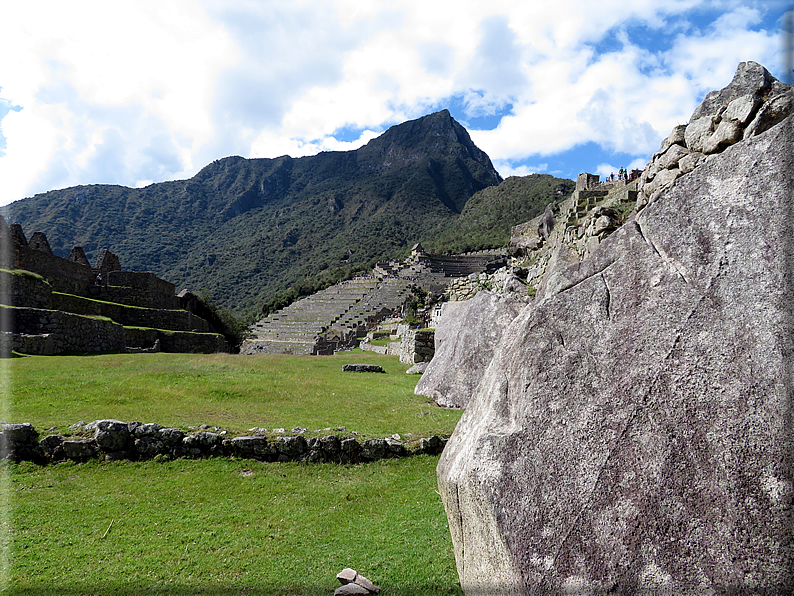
(466, 336)
(633, 432)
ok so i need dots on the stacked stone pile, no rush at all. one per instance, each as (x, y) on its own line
(116, 440)
(354, 583)
(752, 103)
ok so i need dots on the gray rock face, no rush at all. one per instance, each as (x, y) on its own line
(466, 337)
(752, 103)
(633, 431)
(750, 78)
(111, 435)
(418, 368)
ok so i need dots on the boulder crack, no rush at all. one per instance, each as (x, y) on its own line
(635, 408)
(667, 261)
(608, 297)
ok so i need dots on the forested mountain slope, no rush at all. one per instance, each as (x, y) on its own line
(244, 230)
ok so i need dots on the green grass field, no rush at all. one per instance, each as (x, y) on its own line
(231, 391)
(223, 526)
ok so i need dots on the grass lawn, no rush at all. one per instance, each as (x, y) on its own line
(230, 391)
(226, 527)
(223, 526)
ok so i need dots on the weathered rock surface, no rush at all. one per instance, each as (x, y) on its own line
(417, 369)
(633, 431)
(752, 103)
(466, 336)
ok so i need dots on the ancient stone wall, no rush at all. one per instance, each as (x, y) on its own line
(66, 331)
(187, 342)
(178, 320)
(417, 345)
(116, 440)
(142, 289)
(140, 339)
(63, 275)
(465, 288)
(25, 288)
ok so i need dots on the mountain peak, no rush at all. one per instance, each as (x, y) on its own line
(426, 138)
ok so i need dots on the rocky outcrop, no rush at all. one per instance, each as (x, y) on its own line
(465, 344)
(753, 102)
(632, 432)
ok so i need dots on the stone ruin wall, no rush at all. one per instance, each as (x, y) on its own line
(52, 332)
(114, 440)
(63, 275)
(417, 345)
(142, 289)
(74, 275)
(179, 320)
(57, 306)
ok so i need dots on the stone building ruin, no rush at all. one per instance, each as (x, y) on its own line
(51, 305)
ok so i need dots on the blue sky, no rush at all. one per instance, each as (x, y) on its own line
(140, 91)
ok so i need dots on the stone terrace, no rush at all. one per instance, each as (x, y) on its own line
(329, 319)
(335, 317)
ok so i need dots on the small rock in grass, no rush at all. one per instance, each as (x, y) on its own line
(347, 575)
(362, 368)
(366, 584)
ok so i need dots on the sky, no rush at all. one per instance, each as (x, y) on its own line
(141, 91)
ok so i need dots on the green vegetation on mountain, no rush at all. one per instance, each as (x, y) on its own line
(250, 232)
(488, 216)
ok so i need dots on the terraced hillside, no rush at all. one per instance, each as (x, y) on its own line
(329, 319)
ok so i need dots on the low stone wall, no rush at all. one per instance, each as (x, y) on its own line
(130, 316)
(189, 342)
(66, 331)
(417, 345)
(115, 440)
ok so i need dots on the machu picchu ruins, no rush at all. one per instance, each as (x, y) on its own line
(50, 305)
(339, 316)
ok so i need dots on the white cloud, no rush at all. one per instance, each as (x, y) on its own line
(506, 169)
(132, 92)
